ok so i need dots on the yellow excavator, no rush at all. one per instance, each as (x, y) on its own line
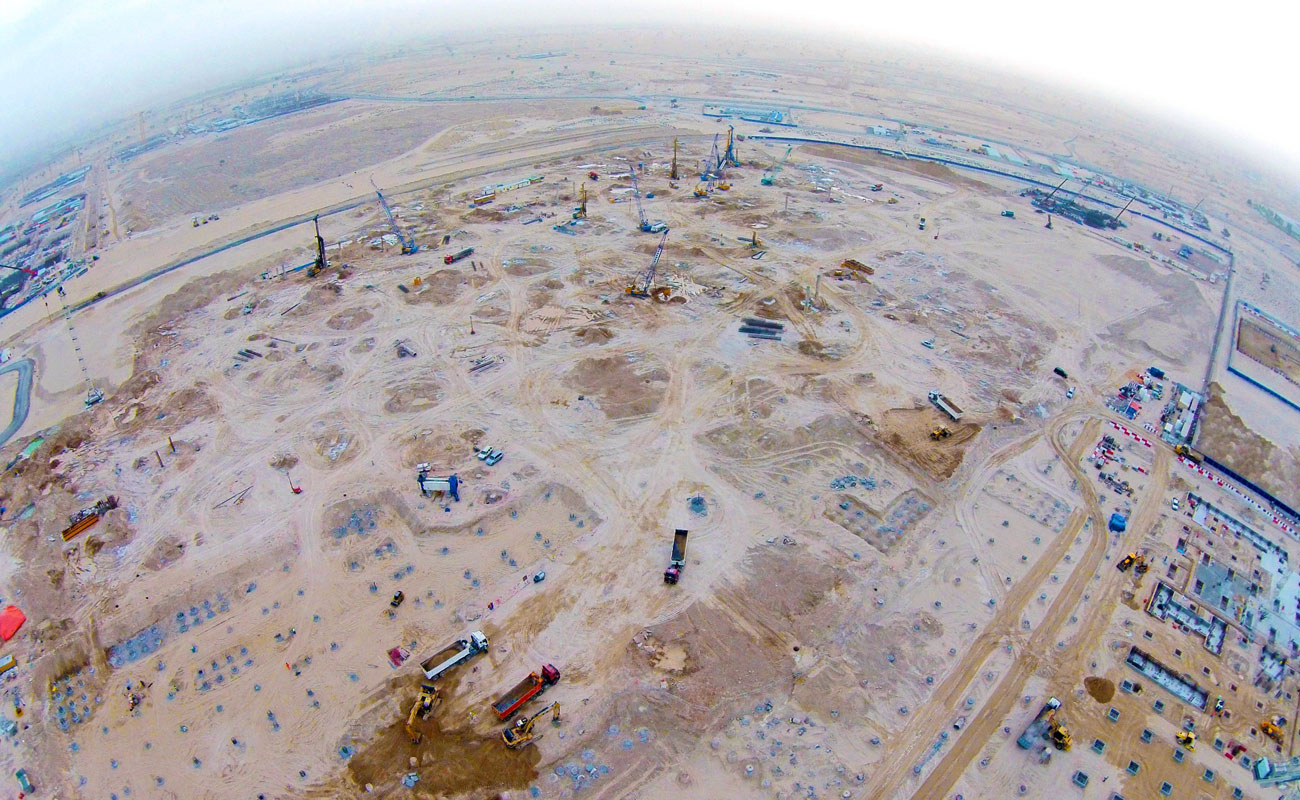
(1060, 735)
(429, 698)
(521, 733)
(1272, 730)
(1187, 739)
(940, 432)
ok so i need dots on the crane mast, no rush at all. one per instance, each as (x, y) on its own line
(408, 242)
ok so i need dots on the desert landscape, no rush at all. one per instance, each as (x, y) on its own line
(791, 427)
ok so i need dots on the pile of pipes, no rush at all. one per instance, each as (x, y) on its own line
(247, 355)
(403, 349)
(756, 328)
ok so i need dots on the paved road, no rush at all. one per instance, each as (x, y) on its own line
(22, 398)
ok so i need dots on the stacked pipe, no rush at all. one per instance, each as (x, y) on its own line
(756, 328)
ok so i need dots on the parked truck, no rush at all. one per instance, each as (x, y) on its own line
(458, 652)
(945, 405)
(678, 561)
(525, 690)
(458, 255)
(1037, 729)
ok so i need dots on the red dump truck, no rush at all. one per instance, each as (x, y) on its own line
(458, 255)
(525, 690)
(677, 562)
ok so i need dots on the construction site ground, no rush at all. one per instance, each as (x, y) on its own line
(868, 608)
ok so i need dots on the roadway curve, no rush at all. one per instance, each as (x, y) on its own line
(1040, 649)
(22, 397)
(935, 717)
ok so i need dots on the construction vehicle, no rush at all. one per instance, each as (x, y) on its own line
(879, 187)
(581, 211)
(645, 225)
(754, 242)
(521, 733)
(677, 562)
(1273, 730)
(703, 189)
(408, 242)
(525, 690)
(458, 255)
(1009, 214)
(593, 176)
(945, 405)
(321, 262)
(940, 432)
(1186, 739)
(642, 286)
(424, 704)
(1188, 453)
(1140, 565)
(921, 225)
(1126, 562)
(454, 654)
(770, 177)
(86, 518)
(1038, 727)
(854, 264)
(398, 598)
(1059, 734)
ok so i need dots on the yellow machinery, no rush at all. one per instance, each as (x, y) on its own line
(702, 190)
(1187, 739)
(754, 241)
(1272, 731)
(1126, 562)
(321, 262)
(673, 175)
(429, 698)
(1060, 735)
(581, 212)
(1188, 453)
(521, 733)
(1140, 565)
(940, 432)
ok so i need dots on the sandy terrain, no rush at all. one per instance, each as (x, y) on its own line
(869, 607)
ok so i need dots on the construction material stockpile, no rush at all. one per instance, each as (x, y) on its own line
(756, 328)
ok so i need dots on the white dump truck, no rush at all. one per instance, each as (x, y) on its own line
(454, 654)
(945, 405)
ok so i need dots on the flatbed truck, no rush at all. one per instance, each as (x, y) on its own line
(454, 654)
(458, 255)
(525, 690)
(678, 560)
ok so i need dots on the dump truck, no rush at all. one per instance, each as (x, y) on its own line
(678, 560)
(453, 654)
(525, 690)
(945, 405)
(452, 258)
(1037, 729)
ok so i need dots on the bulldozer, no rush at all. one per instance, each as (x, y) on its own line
(428, 699)
(1186, 739)
(1272, 730)
(1059, 734)
(940, 432)
(521, 733)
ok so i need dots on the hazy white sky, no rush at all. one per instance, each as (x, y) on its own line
(1230, 67)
